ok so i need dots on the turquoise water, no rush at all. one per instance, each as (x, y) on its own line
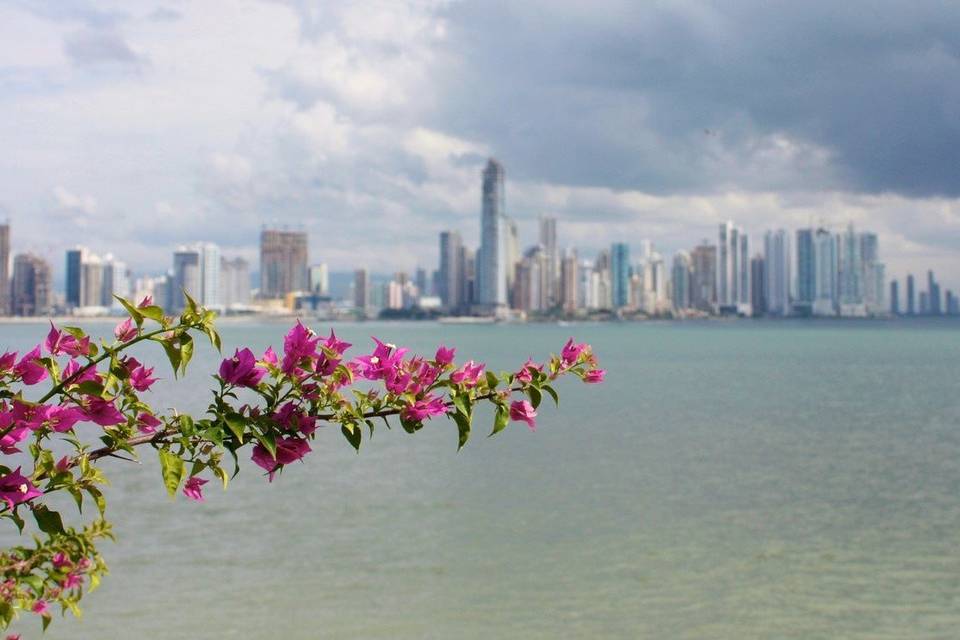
(730, 480)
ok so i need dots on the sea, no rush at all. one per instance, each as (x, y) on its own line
(742, 479)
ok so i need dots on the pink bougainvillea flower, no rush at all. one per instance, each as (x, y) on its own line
(60, 561)
(289, 449)
(424, 409)
(63, 463)
(103, 412)
(40, 608)
(140, 378)
(270, 357)
(571, 351)
(13, 430)
(594, 376)
(58, 342)
(125, 331)
(332, 354)
(30, 369)
(59, 418)
(146, 302)
(7, 360)
(525, 375)
(523, 411)
(147, 423)
(379, 364)
(16, 488)
(77, 373)
(469, 374)
(242, 369)
(444, 356)
(299, 343)
(72, 580)
(193, 488)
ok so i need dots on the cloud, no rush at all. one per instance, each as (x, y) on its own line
(101, 47)
(76, 205)
(165, 14)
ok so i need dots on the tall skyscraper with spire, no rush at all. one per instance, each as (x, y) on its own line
(492, 259)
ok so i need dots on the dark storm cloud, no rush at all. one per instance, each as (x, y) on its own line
(683, 97)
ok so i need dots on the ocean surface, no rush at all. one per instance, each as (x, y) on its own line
(729, 480)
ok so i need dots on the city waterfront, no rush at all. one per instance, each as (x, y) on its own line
(729, 480)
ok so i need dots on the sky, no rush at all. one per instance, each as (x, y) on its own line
(132, 127)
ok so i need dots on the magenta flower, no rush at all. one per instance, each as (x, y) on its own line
(40, 608)
(30, 369)
(594, 376)
(72, 580)
(193, 488)
(125, 331)
(332, 354)
(424, 409)
(242, 369)
(7, 360)
(444, 356)
(58, 342)
(140, 377)
(289, 449)
(523, 411)
(571, 352)
(15, 488)
(58, 418)
(63, 463)
(60, 561)
(146, 302)
(13, 429)
(468, 374)
(74, 368)
(270, 357)
(103, 412)
(147, 423)
(381, 362)
(299, 343)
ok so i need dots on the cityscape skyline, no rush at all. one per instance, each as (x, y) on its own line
(368, 126)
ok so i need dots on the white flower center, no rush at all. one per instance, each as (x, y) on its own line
(23, 488)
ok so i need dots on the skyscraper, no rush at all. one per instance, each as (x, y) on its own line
(806, 272)
(187, 276)
(758, 273)
(492, 257)
(894, 297)
(451, 276)
(74, 277)
(733, 270)
(620, 274)
(826, 268)
(851, 274)
(777, 270)
(703, 290)
(234, 283)
(933, 295)
(210, 276)
(682, 280)
(569, 281)
(31, 288)
(319, 279)
(4, 269)
(283, 262)
(361, 289)
(548, 239)
(911, 296)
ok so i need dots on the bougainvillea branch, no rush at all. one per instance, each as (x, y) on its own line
(271, 403)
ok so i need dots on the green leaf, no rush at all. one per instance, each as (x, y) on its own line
(462, 403)
(187, 428)
(220, 473)
(48, 521)
(492, 380)
(353, 433)
(463, 426)
(171, 466)
(132, 310)
(153, 312)
(269, 442)
(500, 419)
(535, 396)
(553, 394)
(173, 355)
(191, 303)
(186, 351)
(236, 423)
(99, 499)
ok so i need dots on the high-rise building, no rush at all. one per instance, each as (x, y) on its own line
(933, 295)
(420, 280)
(210, 276)
(187, 277)
(703, 290)
(733, 270)
(569, 281)
(806, 272)
(5, 269)
(361, 289)
(512, 248)
(492, 257)
(894, 297)
(825, 272)
(758, 274)
(92, 281)
(777, 270)
(468, 276)
(319, 280)
(953, 304)
(74, 277)
(911, 296)
(451, 276)
(234, 283)
(874, 285)
(851, 274)
(924, 303)
(620, 274)
(283, 262)
(31, 288)
(682, 280)
(116, 282)
(548, 239)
